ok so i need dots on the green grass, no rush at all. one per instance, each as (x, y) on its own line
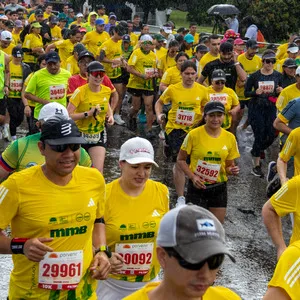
(179, 18)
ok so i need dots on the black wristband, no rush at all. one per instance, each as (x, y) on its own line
(100, 220)
(17, 245)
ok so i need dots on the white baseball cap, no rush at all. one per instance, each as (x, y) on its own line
(6, 36)
(79, 15)
(51, 110)
(137, 150)
(167, 29)
(146, 37)
(298, 71)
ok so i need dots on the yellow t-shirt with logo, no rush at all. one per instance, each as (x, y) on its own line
(49, 87)
(166, 62)
(15, 80)
(32, 41)
(143, 63)
(65, 50)
(160, 53)
(206, 58)
(84, 99)
(228, 97)
(64, 213)
(56, 33)
(287, 94)
(250, 66)
(113, 50)
(291, 148)
(131, 228)
(286, 274)
(171, 76)
(72, 65)
(286, 201)
(208, 155)
(282, 51)
(212, 293)
(133, 39)
(186, 105)
(16, 38)
(93, 40)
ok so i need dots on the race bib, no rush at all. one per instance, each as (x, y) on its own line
(57, 91)
(137, 258)
(185, 117)
(149, 71)
(207, 171)
(266, 86)
(16, 84)
(61, 270)
(219, 97)
(92, 138)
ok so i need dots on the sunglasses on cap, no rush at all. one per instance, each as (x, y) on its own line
(269, 61)
(64, 147)
(214, 262)
(219, 82)
(97, 73)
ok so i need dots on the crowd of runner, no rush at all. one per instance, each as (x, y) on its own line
(73, 236)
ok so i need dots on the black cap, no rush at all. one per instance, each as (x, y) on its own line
(59, 131)
(95, 66)
(218, 75)
(290, 63)
(52, 57)
(226, 47)
(78, 48)
(272, 47)
(100, 6)
(39, 12)
(251, 44)
(85, 53)
(9, 24)
(214, 106)
(53, 20)
(182, 30)
(17, 52)
(126, 38)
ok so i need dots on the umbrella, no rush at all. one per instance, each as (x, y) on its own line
(223, 9)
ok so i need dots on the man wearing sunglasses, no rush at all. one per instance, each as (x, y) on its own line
(55, 211)
(191, 249)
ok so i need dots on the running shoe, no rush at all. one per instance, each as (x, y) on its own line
(180, 201)
(256, 171)
(6, 132)
(155, 124)
(273, 186)
(272, 171)
(118, 119)
(161, 135)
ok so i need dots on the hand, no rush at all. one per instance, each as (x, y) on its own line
(35, 249)
(27, 111)
(259, 91)
(100, 267)
(279, 89)
(93, 112)
(116, 262)
(233, 170)
(161, 118)
(198, 182)
(6, 90)
(110, 120)
(47, 36)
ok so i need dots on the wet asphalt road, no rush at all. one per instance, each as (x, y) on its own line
(246, 234)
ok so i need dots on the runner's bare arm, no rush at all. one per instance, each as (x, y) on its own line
(114, 100)
(281, 126)
(34, 98)
(79, 116)
(133, 71)
(3, 173)
(5, 244)
(159, 111)
(163, 86)
(273, 224)
(282, 170)
(201, 80)
(50, 47)
(274, 293)
(231, 168)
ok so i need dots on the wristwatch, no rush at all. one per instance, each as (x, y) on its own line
(86, 114)
(104, 249)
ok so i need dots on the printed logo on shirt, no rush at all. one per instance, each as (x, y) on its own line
(155, 213)
(91, 203)
(224, 147)
(293, 274)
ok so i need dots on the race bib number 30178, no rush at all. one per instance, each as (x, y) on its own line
(61, 270)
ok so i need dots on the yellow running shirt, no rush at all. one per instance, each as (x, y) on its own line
(65, 50)
(286, 274)
(131, 228)
(64, 213)
(84, 99)
(250, 66)
(187, 105)
(291, 148)
(15, 80)
(171, 76)
(113, 50)
(282, 51)
(160, 53)
(30, 103)
(228, 97)
(56, 33)
(49, 87)
(208, 154)
(287, 200)
(142, 63)
(212, 293)
(32, 41)
(93, 40)
(206, 58)
(133, 39)
(166, 62)
(8, 50)
(287, 94)
(72, 65)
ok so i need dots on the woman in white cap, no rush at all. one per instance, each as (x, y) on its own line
(134, 207)
(212, 151)
(89, 107)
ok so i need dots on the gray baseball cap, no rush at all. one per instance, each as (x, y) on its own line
(193, 232)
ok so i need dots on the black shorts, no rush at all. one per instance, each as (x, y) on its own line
(215, 195)
(116, 80)
(3, 106)
(244, 103)
(101, 143)
(140, 93)
(125, 76)
(174, 140)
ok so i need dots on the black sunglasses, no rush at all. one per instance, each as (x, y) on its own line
(218, 82)
(214, 262)
(64, 147)
(270, 61)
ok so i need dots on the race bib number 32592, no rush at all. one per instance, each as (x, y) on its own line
(61, 270)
